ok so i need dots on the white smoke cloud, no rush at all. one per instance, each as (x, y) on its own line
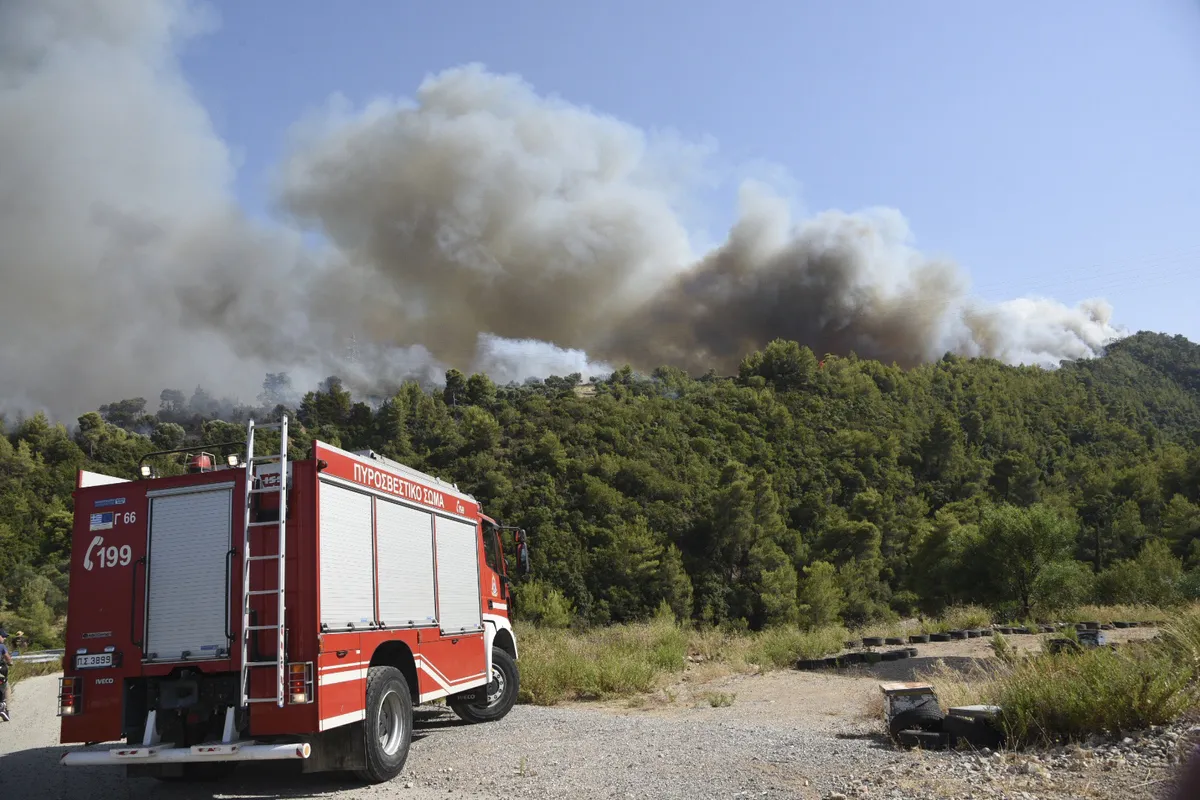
(513, 360)
(478, 225)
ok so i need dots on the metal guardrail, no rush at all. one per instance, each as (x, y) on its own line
(40, 656)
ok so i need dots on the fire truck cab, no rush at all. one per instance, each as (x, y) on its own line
(260, 608)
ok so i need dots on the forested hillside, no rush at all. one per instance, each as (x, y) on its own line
(794, 492)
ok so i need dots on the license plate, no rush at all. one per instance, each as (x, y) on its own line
(93, 660)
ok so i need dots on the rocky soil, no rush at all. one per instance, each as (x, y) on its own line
(1132, 768)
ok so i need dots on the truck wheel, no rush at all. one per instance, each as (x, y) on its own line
(388, 726)
(501, 692)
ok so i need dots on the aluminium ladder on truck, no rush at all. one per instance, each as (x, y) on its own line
(249, 591)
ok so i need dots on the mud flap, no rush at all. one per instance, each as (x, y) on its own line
(476, 695)
(338, 749)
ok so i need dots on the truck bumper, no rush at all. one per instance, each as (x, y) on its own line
(201, 753)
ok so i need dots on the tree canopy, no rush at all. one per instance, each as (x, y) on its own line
(800, 490)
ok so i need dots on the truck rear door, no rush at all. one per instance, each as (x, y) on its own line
(187, 572)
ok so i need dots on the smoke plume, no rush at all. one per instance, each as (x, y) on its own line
(478, 225)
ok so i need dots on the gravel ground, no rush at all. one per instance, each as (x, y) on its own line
(785, 734)
(746, 750)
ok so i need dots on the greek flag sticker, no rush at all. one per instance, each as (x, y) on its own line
(101, 522)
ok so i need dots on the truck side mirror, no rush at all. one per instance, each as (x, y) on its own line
(523, 557)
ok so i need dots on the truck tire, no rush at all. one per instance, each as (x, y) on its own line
(922, 718)
(388, 725)
(502, 692)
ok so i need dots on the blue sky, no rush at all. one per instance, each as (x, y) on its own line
(1048, 147)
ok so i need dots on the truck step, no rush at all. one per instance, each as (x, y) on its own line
(274, 522)
(262, 700)
(262, 663)
(263, 558)
(261, 592)
(267, 490)
(261, 627)
(265, 458)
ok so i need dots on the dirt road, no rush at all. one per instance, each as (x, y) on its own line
(786, 734)
(762, 746)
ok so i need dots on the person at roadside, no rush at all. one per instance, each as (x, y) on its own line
(5, 663)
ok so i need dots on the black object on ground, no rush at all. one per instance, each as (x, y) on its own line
(977, 731)
(926, 717)
(1064, 645)
(926, 740)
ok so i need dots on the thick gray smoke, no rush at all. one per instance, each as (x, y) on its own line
(839, 283)
(478, 225)
(124, 268)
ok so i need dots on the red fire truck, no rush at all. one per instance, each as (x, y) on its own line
(261, 608)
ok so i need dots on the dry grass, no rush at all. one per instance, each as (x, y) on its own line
(954, 618)
(718, 699)
(20, 670)
(618, 661)
(962, 617)
(1141, 613)
(624, 660)
(780, 647)
(904, 628)
(874, 707)
(960, 687)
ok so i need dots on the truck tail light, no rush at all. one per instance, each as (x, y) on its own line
(300, 682)
(70, 696)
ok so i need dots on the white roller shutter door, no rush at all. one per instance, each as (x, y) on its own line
(405, 537)
(186, 579)
(347, 559)
(457, 576)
